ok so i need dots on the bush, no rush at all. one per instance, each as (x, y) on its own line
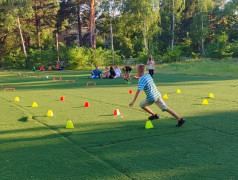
(74, 57)
(81, 57)
(38, 57)
(172, 56)
(234, 49)
(221, 48)
(14, 61)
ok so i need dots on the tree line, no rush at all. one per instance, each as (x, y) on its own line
(116, 29)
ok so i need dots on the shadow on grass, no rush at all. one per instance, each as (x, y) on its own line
(204, 147)
(24, 119)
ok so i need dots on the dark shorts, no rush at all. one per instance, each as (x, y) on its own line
(127, 68)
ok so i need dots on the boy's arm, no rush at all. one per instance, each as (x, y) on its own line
(134, 100)
(136, 77)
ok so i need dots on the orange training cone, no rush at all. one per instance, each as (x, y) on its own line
(62, 98)
(130, 92)
(116, 112)
(87, 104)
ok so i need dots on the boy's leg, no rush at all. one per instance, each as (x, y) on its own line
(160, 102)
(128, 75)
(170, 111)
(147, 109)
(144, 105)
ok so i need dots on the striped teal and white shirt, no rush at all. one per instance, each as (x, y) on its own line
(147, 84)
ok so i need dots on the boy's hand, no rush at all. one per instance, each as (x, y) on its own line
(135, 77)
(132, 103)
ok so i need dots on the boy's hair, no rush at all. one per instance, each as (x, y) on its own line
(141, 69)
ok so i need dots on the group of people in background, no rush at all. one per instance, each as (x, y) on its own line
(112, 73)
(115, 72)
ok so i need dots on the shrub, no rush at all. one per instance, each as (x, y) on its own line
(172, 56)
(221, 48)
(234, 49)
(14, 61)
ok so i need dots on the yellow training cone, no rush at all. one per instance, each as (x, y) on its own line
(34, 104)
(205, 102)
(165, 96)
(50, 113)
(16, 99)
(178, 91)
(211, 95)
(148, 125)
(69, 125)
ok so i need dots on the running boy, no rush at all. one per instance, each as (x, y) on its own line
(146, 84)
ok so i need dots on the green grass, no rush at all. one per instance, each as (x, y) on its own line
(103, 146)
(203, 67)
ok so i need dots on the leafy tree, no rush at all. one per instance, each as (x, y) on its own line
(142, 16)
(171, 13)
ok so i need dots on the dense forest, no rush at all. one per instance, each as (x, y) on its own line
(110, 31)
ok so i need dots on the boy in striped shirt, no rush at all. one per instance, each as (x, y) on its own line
(147, 84)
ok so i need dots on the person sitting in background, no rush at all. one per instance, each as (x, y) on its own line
(96, 73)
(34, 68)
(117, 71)
(49, 68)
(126, 75)
(112, 73)
(105, 73)
(56, 66)
(42, 68)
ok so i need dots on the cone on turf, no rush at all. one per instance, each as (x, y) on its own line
(69, 125)
(116, 112)
(205, 102)
(62, 98)
(17, 99)
(53, 79)
(148, 125)
(178, 91)
(34, 104)
(50, 113)
(60, 78)
(211, 95)
(86, 104)
(130, 92)
(165, 96)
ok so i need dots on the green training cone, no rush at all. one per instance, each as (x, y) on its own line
(148, 125)
(69, 125)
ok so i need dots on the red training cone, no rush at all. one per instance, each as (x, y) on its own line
(60, 78)
(62, 98)
(130, 92)
(87, 104)
(116, 112)
(53, 79)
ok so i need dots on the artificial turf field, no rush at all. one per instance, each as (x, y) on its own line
(103, 146)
